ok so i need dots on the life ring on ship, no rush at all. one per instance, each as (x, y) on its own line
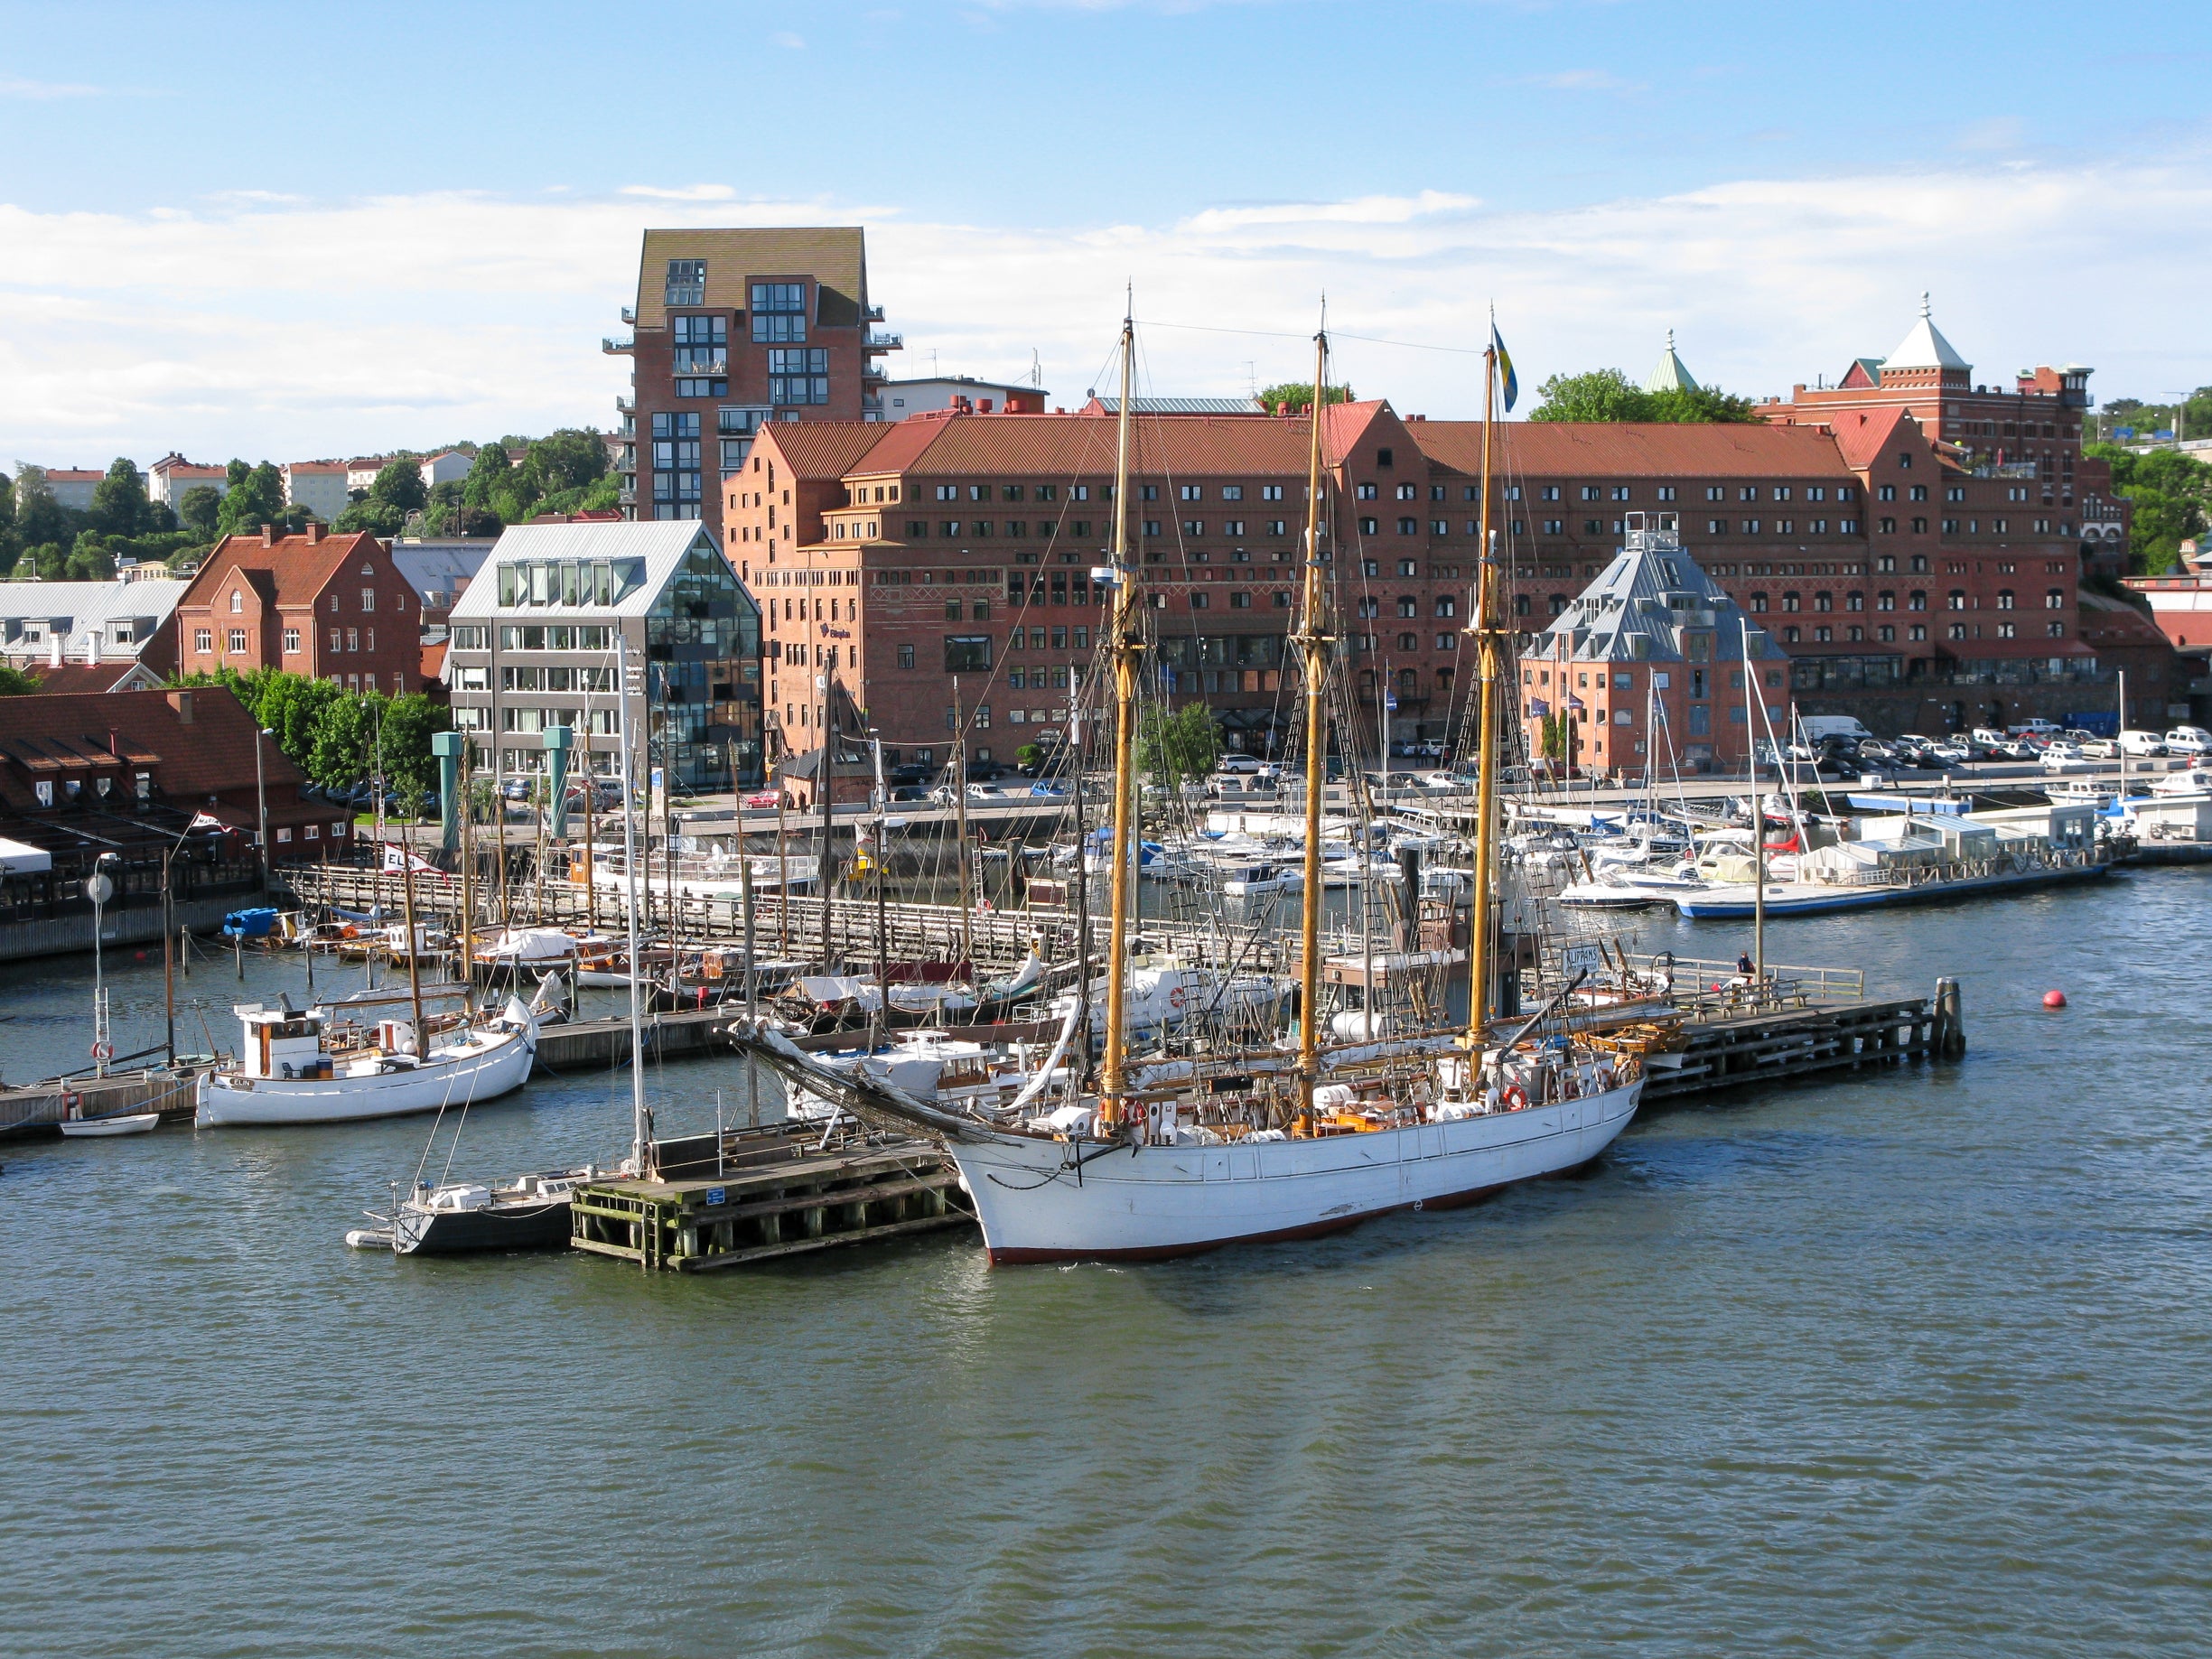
(1515, 1098)
(1175, 998)
(1570, 1086)
(103, 1051)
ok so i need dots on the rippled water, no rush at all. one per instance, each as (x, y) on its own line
(1915, 1362)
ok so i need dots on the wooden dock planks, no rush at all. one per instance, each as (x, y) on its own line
(763, 1210)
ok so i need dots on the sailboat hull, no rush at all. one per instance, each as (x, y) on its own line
(1146, 1203)
(481, 1069)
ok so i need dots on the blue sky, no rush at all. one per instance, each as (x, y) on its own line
(266, 228)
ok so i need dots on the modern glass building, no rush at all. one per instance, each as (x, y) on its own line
(534, 645)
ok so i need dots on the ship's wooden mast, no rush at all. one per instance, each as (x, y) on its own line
(1486, 628)
(1314, 641)
(1127, 648)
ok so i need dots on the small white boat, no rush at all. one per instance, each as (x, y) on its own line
(1603, 895)
(292, 1074)
(130, 1124)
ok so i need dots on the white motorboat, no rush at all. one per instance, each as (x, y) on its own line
(292, 1071)
(122, 1123)
(1609, 894)
(1253, 880)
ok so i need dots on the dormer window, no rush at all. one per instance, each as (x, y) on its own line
(238, 601)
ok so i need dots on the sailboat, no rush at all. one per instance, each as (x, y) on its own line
(1279, 1143)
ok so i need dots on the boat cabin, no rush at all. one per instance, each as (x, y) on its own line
(282, 1042)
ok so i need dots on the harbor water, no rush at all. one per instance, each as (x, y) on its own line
(1913, 1361)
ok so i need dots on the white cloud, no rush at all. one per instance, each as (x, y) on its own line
(259, 328)
(786, 38)
(13, 86)
(1581, 80)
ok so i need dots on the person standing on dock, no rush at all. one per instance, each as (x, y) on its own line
(1743, 965)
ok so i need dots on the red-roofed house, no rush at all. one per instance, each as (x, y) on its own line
(72, 487)
(168, 479)
(333, 607)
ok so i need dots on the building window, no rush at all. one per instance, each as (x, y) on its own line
(779, 313)
(203, 640)
(237, 642)
(686, 283)
(799, 375)
(292, 642)
(702, 345)
(967, 653)
(1789, 636)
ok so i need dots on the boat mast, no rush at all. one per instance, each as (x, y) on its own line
(1126, 646)
(959, 820)
(407, 910)
(825, 777)
(641, 1136)
(1758, 816)
(1313, 643)
(468, 874)
(1486, 631)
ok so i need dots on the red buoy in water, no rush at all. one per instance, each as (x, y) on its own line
(2054, 998)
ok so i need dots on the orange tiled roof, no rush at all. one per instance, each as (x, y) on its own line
(1068, 445)
(1594, 449)
(293, 571)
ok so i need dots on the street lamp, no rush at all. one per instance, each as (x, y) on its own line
(261, 807)
(100, 887)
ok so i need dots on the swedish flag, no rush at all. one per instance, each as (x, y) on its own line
(1509, 379)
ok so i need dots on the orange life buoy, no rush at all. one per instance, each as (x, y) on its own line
(1175, 997)
(1515, 1098)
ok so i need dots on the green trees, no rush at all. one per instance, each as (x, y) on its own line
(1174, 747)
(256, 497)
(15, 683)
(339, 737)
(1296, 394)
(119, 503)
(1607, 395)
(400, 482)
(39, 518)
(2172, 495)
(197, 512)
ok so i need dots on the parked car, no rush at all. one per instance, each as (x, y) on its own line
(2188, 740)
(1443, 782)
(2059, 752)
(1239, 766)
(2034, 728)
(2101, 749)
(2141, 744)
(769, 798)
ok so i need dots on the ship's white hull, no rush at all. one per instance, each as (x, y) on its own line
(490, 1063)
(1137, 1203)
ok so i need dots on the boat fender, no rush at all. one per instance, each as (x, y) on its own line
(1515, 1098)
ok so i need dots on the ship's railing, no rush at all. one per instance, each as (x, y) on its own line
(1704, 988)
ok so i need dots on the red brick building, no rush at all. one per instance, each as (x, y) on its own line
(732, 329)
(335, 607)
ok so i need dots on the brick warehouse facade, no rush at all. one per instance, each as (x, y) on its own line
(1909, 578)
(734, 330)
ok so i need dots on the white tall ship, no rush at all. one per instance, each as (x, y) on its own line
(1171, 1159)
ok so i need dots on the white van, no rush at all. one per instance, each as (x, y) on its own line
(2188, 740)
(2141, 744)
(1818, 726)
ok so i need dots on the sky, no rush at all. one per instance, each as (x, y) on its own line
(305, 230)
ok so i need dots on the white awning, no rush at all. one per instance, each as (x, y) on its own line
(17, 860)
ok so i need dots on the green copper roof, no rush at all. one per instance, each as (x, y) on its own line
(1669, 375)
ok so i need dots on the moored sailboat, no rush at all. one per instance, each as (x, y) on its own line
(1269, 1143)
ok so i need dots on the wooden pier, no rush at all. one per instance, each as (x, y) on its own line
(1777, 1045)
(771, 1192)
(40, 1108)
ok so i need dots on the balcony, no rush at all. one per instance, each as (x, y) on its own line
(874, 314)
(618, 348)
(871, 406)
(700, 366)
(630, 318)
(627, 494)
(626, 406)
(885, 342)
